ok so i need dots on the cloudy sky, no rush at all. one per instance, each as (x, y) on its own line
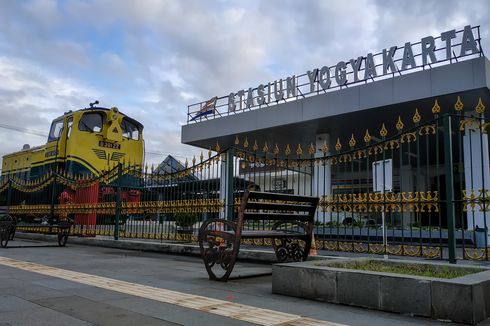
(152, 58)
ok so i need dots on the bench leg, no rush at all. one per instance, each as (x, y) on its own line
(219, 249)
(63, 237)
(294, 248)
(4, 236)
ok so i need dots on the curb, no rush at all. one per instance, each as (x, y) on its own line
(165, 247)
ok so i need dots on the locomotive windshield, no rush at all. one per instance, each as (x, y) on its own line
(91, 122)
(129, 130)
(55, 131)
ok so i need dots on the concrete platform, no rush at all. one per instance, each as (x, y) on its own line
(29, 298)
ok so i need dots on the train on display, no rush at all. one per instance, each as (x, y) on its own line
(83, 143)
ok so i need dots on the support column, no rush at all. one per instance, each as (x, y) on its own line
(226, 184)
(476, 172)
(322, 175)
(450, 211)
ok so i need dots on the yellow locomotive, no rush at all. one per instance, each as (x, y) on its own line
(82, 143)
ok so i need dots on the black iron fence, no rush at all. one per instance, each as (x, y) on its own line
(417, 188)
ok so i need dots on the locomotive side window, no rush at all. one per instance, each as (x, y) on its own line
(69, 126)
(55, 131)
(129, 130)
(91, 122)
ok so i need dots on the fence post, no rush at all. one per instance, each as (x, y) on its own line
(448, 164)
(230, 202)
(53, 199)
(9, 194)
(118, 202)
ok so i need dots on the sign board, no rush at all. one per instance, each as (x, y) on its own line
(383, 176)
(449, 46)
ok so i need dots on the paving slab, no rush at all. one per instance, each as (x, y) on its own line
(40, 316)
(98, 313)
(185, 274)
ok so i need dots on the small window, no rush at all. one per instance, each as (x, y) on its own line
(55, 131)
(69, 125)
(129, 130)
(91, 122)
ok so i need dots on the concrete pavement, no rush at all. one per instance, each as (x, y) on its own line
(28, 297)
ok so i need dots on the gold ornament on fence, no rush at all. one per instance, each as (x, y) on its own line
(383, 132)
(480, 108)
(276, 149)
(399, 125)
(458, 106)
(299, 150)
(416, 117)
(265, 149)
(245, 143)
(218, 148)
(352, 141)
(325, 147)
(311, 149)
(338, 145)
(287, 151)
(367, 136)
(237, 141)
(256, 146)
(436, 109)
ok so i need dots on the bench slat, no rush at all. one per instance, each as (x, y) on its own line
(279, 196)
(278, 216)
(256, 234)
(280, 206)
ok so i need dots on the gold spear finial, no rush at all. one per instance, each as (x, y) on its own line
(338, 145)
(416, 117)
(311, 149)
(299, 150)
(399, 124)
(480, 108)
(383, 132)
(237, 141)
(352, 141)
(325, 147)
(265, 149)
(276, 149)
(436, 108)
(458, 106)
(287, 151)
(256, 146)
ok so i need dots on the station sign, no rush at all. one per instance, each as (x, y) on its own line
(449, 46)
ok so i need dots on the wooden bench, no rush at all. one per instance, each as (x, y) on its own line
(61, 229)
(286, 220)
(7, 226)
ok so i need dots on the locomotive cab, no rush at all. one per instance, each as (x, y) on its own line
(84, 142)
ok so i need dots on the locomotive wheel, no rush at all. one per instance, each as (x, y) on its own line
(219, 248)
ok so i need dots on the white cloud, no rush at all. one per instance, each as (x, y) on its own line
(31, 97)
(153, 58)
